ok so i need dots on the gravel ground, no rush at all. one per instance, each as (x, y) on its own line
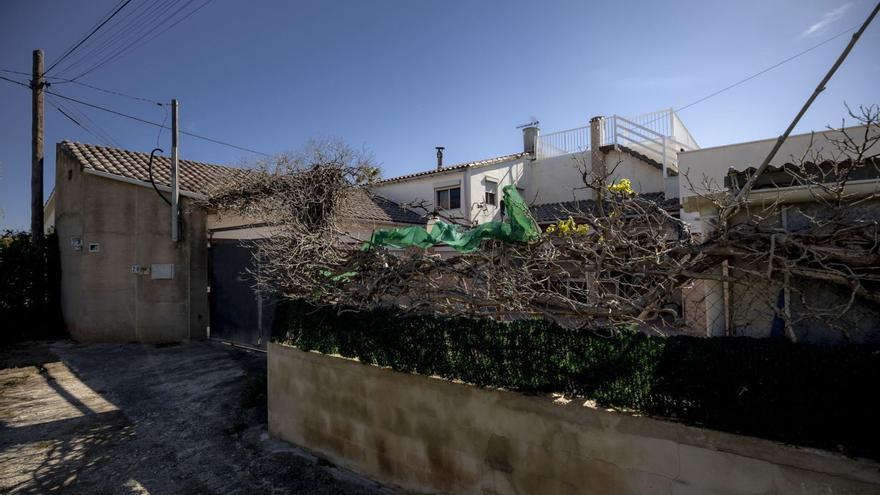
(130, 418)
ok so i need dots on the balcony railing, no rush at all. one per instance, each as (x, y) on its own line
(660, 136)
(563, 142)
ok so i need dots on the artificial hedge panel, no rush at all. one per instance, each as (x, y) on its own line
(796, 393)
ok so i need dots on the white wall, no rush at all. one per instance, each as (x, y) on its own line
(559, 178)
(422, 189)
(712, 164)
(473, 188)
(507, 173)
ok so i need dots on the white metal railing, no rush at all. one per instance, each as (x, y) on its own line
(563, 142)
(659, 136)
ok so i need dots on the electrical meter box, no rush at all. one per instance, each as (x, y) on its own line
(162, 271)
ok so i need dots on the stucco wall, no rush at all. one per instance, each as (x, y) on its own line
(422, 189)
(559, 178)
(712, 164)
(473, 188)
(430, 435)
(101, 299)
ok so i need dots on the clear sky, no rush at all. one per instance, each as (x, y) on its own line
(400, 77)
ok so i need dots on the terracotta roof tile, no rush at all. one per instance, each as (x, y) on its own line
(460, 166)
(196, 177)
(201, 178)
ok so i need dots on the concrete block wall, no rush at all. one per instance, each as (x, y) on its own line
(430, 435)
(102, 300)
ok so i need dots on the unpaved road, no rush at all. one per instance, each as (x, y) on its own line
(129, 418)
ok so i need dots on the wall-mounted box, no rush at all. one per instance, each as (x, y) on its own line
(162, 271)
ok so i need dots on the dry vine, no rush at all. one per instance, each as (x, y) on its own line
(622, 259)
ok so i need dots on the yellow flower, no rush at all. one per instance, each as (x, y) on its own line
(623, 186)
(550, 229)
(582, 229)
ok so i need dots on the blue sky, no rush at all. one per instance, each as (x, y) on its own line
(400, 77)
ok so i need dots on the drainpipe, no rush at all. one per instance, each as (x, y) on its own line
(466, 196)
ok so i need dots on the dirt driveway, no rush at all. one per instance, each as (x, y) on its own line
(128, 418)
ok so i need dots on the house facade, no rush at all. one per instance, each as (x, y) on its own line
(552, 169)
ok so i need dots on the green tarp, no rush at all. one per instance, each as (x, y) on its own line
(518, 226)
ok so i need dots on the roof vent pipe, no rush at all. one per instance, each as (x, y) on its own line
(440, 157)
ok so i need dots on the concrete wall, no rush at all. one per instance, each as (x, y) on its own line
(430, 435)
(101, 299)
(712, 164)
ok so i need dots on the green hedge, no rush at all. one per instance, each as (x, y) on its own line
(796, 393)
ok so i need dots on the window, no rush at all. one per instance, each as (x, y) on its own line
(491, 193)
(449, 199)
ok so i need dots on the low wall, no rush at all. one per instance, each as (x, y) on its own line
(430, 435)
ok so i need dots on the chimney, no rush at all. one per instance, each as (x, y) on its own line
(597, 157)
(530, 138)
(440, 157)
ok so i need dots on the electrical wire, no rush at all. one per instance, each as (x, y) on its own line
(85, 116)
(108, 91)
(768, 69)
(138, 27)
(66, 113)
(144, 121)
(141, 40)
(142, 18)
(95, 30)
(10, 71)
(16, 82)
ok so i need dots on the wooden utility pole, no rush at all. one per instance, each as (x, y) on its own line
(37, 84)
(175, 186)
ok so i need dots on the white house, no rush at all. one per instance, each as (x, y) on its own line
(550, 168)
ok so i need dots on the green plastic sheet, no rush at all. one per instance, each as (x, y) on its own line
(518, 226)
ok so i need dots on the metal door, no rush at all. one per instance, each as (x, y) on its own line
(239, 314)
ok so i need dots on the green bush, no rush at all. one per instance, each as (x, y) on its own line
(796, 393)
(30, 277)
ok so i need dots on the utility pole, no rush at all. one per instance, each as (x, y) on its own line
(175, 187)
(37, 84)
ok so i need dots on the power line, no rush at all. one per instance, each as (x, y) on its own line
(99, 26)
(10, 71)
(84, 116)
(108, 91)
(138, 42)
(768, 69)
(144, 121)
(66, 112)
(28, 86)
(127, 27)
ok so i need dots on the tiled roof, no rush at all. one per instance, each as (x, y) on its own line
(460, 166)
(198, 177)
(791, 174)
(552, 212)
(365, 205)
(195, 177)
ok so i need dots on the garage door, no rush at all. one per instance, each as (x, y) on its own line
(239, 314)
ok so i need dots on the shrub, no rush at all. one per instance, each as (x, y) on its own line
(29, 288)
(796, 393)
